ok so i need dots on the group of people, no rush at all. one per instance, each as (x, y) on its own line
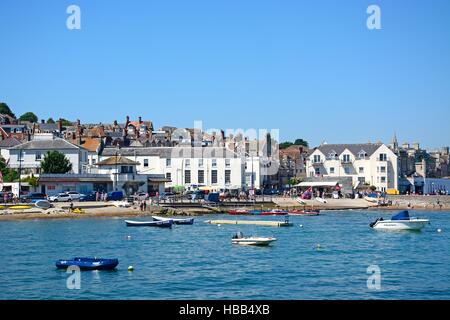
(101, 196)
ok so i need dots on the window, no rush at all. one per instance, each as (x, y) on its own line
(145, 162)
(227, 176)
(200, 163)
(362, 180)
(169, 176)
(214, 176)
(383, 179)
(126, 169)
(362, 154)
(317, 158)
(383, 157)
(346, 158)
(188, 163)
(94, 161)
(383, 169)
(38, 156)
(347, 170)
(187, 176)
(317, 172)
(332, 155)
(332, 170)
(214, 163)
(361, 170)
(227, 163)
(168, 162)
(201, 176)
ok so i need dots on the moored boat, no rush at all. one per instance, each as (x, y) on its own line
(274, 212)
(186, 221)
(238, 212)
(239, 239)
(160, 224)
(304, 212)
(88, 263)
(43, 204)
(321, 200)
(401, 221)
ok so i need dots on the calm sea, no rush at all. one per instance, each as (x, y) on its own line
(199, 261)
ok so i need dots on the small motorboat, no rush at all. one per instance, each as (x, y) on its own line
(304, 212)
(160, 224)
(187, 221)
(274, 212)
(239, 238)
(373, 198)
(321, 200)
(238, 212)
(88, 263)
(401, 221)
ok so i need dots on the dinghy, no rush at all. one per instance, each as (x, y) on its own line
(299, 200)
(401, 221)
(175, 221)
(304, 212)
(238, 212)
(160, 224)
(88, 263)
(274, 212)
(43, 204)
(321, 200)
(239, 239)
(122, 204)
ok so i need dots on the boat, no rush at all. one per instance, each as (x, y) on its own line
(24, 207)
(77, 210)
(186, 221)
(43, 204)
(321, 200)
(88, 263)
(238, 212)
(299, 200)
(401, 221)
(160, 224)
(122, 204)
(304, 212)
(373, 198)
(275, 212)
(239, 239)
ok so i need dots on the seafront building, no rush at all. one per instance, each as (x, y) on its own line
(370, 164)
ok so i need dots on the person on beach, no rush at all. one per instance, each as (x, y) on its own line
(145, 205)
(96, 195)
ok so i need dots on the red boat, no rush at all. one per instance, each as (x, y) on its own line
(239, 212)
(274, 212)
(304, 212)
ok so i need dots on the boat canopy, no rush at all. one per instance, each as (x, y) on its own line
(403, 215)
(317, 184)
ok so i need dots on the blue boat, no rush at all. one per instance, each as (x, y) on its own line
(160, 224)
(88, 263)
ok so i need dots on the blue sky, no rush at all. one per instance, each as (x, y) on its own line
(309, 68)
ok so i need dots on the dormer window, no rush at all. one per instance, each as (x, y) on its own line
(332, 155)
(362, 154)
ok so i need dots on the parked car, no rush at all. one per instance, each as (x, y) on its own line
(75, 195)
(166, 196)
(114, 196)
(32, 197)
(60, 197)
(140, 196)
(88, 197)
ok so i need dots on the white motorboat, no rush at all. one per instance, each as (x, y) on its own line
(401, 221)
(251, 241)
(43, 204)
(300, 200)
(371, 199)
(175, 221)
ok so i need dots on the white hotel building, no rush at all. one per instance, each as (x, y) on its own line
(367, 164)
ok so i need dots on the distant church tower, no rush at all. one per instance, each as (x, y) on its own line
(394, 143)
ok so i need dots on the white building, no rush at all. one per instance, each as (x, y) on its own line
(28, 156)
(215, 168)
(367, 164)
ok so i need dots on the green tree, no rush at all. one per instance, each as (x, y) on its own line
(298, 142)
(66, 123)
(29, 116)
(4, 109)
(55, 162)
(50, 120)
(301, 142)
(32, 181)
(285, 145)
(9, 175)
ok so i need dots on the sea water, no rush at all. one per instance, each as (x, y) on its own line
(321, 257)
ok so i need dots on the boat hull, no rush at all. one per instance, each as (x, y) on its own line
(88, 264)
(395, 225)
(262, 242)
(304, 213)
(238, 212)
(159, 224)
(188, 221)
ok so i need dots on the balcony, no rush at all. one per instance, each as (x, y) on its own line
(317, 163)
(346, 162)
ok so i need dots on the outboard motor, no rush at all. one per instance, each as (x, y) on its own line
(374, 223)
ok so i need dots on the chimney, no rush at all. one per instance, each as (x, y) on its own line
(59, 123)
(78, 122)
(42, 121)
(140, 120)
(115, 123)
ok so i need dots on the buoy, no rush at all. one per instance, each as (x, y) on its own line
(128, 237)
(218, 225)
(301, 226)
(439, 230)
(130, 268)
(318, 247)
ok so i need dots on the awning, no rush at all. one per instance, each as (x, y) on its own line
(159, 180)
(317, 184)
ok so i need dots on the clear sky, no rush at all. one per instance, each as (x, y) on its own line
(309, 68)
